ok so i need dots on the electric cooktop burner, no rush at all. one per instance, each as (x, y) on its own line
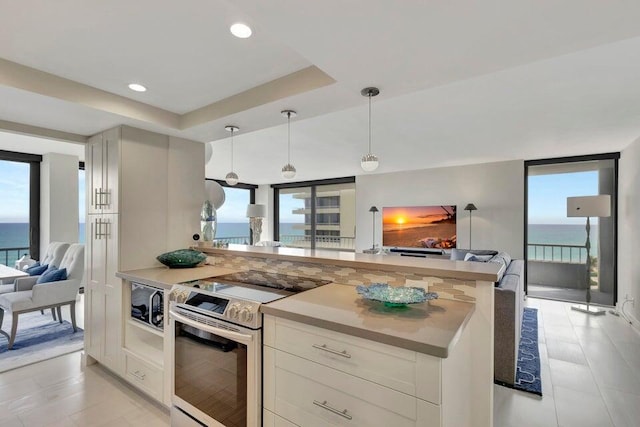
(278, 281)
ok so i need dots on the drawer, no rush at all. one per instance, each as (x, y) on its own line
(269, 419)
(310, 394)
(412, 373)
(144, 376)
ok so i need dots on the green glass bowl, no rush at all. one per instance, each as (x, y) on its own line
(182, 258)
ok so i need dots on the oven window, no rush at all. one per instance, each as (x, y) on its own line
(211, 374)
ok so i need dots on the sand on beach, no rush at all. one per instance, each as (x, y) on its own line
(410, 237)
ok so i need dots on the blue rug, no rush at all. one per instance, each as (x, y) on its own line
(528, 368)
(39, 338)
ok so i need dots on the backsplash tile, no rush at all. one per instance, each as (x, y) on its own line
(453, 289)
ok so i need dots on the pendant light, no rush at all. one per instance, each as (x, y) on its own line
(288, 170)
(232, 177)
(369, 161)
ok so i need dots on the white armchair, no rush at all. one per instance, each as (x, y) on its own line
(30, 296)
(53, 255)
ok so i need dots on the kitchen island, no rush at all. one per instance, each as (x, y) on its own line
(332, 358)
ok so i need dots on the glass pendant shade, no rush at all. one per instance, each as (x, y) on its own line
(288, 171)
(231, 178)
(369, 162)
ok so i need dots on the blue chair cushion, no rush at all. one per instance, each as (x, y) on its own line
(36, 269)
(53, 275)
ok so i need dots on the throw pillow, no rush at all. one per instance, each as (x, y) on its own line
(477, 258)
(53, 275)
(37, 269)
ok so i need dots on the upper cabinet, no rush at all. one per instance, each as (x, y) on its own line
(102, 165)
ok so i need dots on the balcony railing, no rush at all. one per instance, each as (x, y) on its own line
(340, 243)
(240, 240)
(9, 256)
(552, 252)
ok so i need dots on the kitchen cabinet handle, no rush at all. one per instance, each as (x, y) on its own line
(98, 229)
(324, 347)
(324, 405)
(139, 375)
(95, 198)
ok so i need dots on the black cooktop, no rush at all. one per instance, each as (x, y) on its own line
(273, 280)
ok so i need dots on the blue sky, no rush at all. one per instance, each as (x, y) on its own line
(548, 196)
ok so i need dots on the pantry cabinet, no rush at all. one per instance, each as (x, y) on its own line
(144, 192)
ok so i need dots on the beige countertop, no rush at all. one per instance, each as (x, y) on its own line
(462, 270)
(432, 328)
(165, 277)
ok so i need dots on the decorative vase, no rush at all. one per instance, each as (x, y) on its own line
(208, 220)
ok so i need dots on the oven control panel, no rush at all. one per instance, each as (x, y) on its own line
(242, 312)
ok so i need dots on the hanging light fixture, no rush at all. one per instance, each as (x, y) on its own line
(288, 170)
(369, 161)
(232, 177)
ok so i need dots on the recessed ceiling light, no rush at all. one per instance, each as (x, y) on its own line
(137, 87)
(240, 30)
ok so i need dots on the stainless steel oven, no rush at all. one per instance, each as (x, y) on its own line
(217, 378)
(217, 346)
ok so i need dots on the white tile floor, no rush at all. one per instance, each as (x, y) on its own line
(590, 373)
(58, 392)
(590, 377)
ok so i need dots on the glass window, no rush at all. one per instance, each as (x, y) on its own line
(317, 216)
(233, 224)
(14, 211)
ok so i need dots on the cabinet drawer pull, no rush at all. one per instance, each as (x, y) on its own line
(324, 405)
(95, 198)
(138, 375)
(324, 347)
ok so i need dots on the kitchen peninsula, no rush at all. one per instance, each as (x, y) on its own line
(329, 356)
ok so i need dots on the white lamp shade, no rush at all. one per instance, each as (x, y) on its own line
(256, 211)
(587, 206)
(214, 193)
(369, 162)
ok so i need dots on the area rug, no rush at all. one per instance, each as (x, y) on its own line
(528, 368)
(39, 338)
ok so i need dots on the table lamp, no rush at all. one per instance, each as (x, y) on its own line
(255, 213)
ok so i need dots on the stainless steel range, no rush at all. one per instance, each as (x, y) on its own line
(217, 341)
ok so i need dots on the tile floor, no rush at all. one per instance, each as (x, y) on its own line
(58, 392)
(590, 377)
(590, 373)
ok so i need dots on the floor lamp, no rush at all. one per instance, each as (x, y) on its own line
(588, 206)
(470, 207)
(373, 249)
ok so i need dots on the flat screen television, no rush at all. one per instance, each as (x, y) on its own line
(426, 227)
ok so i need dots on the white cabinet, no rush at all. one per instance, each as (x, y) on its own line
(317, 377)
(144, 194)
(103, 300)
(102, 158)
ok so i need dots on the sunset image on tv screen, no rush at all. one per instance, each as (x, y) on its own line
(419, 227)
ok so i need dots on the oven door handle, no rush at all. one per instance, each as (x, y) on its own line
(236, 336)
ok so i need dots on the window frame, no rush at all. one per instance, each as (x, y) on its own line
(34, 161)
(300, 184)
(243, 186)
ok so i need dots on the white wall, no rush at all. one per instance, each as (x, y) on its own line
(264, 196)
(58, 199)
(497, 190)
(629, 228)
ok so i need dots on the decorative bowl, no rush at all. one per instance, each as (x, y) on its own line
(393, 296)
(182, 258)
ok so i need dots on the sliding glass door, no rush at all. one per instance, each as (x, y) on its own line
(556, 248)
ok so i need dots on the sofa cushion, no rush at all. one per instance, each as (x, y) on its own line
(459, 254)
(477, 258)
(36, 269)
(503, 259)
(516, 268)
(53, 275)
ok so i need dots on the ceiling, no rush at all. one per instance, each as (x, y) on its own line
(461, 82)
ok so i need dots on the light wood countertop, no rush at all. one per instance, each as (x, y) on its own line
(462, 270)
(165, 277)
(432, 328)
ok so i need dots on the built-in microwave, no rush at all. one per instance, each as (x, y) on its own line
(147, 305)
